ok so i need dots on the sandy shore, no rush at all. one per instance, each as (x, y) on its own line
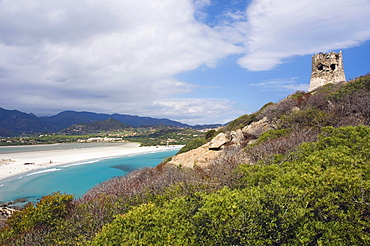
(17, 163)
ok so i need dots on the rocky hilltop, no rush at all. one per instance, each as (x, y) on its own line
(301, 113)
(203, 155)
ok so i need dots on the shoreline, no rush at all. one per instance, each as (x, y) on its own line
(13, 164)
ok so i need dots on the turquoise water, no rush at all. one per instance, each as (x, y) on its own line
(76, 178)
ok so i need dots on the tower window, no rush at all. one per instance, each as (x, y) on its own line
(333, 66)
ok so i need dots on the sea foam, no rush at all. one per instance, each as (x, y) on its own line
(44, 171)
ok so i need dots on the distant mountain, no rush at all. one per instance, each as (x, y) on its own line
(68, 118)
(95, 127)
(209, 126)
(17, 122)
(14, 121)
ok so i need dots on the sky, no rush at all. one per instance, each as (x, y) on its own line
(193, 61)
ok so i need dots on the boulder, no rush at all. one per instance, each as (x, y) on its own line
(5, 213)
(200, 157)
(237, 137)
(259, 127)
(218, 141)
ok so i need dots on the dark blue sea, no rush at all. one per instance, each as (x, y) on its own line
(75, 178)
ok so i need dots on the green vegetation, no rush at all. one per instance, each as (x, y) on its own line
(310, 117)
(306, 183)
(147, 136)
(163, 136)
(360, 84)
(199, 141)
(240, 122)
(319, 197)
(271, 134)
(193, 144)
(43, 139)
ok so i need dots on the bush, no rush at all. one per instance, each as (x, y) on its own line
(361, 83)
(326, 186)
(193, 144)
(210, 134)
(44, 218)
(318, 196)
(278, 142)
(149, 224)
(308, 118)
(241, 122)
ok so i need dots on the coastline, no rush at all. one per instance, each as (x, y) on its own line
(12, 164)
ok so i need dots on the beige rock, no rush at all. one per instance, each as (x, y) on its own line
(237, 137)
(295, 109)
(218, 141)
(258, 128)
(197, 157)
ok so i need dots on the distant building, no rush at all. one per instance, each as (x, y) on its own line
(327, 68)
(99, 139)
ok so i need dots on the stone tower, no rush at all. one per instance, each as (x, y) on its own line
(326, 69)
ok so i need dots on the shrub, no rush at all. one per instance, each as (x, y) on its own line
(274, 111)
(44, 217)
(318, 196)
(222, 170)
(308, 118)
(361, 83)
(279, 142)
(210, 134)
(193, 144)
(328, 187)
(149, 224)
(241, 122)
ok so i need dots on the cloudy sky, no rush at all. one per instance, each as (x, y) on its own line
(194, 61)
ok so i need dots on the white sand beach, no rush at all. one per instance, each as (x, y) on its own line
(16, 163)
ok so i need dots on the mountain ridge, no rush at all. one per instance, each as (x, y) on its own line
(13, 122)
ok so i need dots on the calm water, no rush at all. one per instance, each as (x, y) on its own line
(62, 146)
(75, 178)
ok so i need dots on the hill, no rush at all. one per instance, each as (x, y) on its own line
(109, 125)
(13, 122)
(68, 118)
(296, 172)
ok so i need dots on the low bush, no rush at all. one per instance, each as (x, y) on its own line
(318, 196)
(193, 144)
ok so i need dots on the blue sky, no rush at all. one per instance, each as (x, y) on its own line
(195, 61)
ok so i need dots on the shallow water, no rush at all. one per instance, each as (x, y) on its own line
(61, 146)
(74, 178)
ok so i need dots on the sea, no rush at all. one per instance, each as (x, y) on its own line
(73, 178)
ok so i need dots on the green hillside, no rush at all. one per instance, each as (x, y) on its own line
(304, 182)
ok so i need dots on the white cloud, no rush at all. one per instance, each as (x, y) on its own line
(115, 56)
(122, 56)
(287, 85)
(197, 110)
(277, 29)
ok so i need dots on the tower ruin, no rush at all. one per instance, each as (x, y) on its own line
(327, 68)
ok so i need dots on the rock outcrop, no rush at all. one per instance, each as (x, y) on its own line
(238, 137)
(258, 128)
(5, 213)
(202, 156)
(219, 141)
(197, 157)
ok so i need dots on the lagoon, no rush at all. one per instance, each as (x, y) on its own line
(75, 178)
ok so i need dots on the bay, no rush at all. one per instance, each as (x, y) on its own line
(75, 178)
